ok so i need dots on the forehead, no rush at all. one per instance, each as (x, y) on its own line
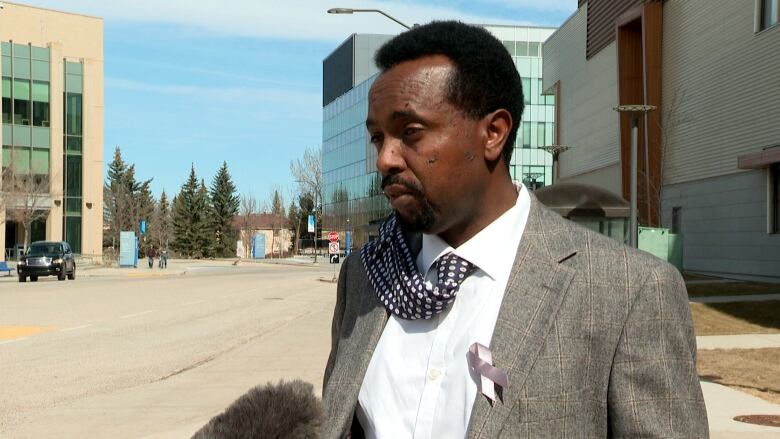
(413, 82)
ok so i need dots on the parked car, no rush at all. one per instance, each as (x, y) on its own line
(47, 258)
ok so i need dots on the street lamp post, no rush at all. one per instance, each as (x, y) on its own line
(351, 11)
(556, 151)
(634, 111)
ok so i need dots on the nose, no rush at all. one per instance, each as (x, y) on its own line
(389, 158)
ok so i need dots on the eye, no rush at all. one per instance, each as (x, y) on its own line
(376, 139)
(412, 131)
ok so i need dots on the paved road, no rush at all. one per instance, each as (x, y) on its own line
(134, 357)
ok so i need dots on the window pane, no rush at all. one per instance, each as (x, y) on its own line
(6, 155)
(73, 176)
(6, 66)
(540, 134)
(522, 48)
(526, 91)
(22, 68)
(73, 68)
(40, 53)
(21, 102)
(510, 47)
(73, 114)
(526, 135)
(73, 206)
(73, 232)
(40, 70)
(40, 161)
(21, 50)
(73, 84)
(20, 157)
(73, 145)
(41, 137)
(533, 49)
(6, 100)
(6, 48)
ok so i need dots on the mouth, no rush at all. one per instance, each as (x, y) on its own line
(394, 191)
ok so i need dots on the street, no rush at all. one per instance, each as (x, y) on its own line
(154, 353)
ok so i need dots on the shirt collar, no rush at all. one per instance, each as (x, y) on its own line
(492, 249)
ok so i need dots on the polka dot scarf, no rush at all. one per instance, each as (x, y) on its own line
(401, 287)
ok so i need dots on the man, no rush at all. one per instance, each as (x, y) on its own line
(478, 312)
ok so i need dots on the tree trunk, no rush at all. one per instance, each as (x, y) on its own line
(27, 226)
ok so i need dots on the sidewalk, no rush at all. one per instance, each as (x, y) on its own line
(744, 341)
(724, 403)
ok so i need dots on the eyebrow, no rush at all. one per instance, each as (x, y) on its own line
(398, 114)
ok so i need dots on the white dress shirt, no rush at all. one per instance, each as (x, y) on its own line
(419, 383)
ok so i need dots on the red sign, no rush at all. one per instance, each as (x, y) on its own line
(333, 236)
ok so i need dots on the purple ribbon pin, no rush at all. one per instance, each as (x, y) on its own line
(481, 360)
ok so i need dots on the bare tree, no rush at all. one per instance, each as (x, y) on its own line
(248, 210)
(307, 172)
(26, 197)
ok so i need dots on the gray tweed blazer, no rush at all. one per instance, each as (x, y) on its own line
(596, 338)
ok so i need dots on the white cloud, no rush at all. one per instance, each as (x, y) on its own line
(304, 19)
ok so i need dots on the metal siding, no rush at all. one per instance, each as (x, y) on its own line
(724, 224)
(588, 93)
(602, 17)
(725, 78)
(337, 71)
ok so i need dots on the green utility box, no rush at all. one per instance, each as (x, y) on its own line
(662, 244)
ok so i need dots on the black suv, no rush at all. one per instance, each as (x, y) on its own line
(47, 258)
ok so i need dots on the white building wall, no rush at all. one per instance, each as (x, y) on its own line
(721, 87)
(588, 91)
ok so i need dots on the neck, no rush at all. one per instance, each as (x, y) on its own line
(491, 204)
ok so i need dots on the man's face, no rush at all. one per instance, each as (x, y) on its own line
(430, 154)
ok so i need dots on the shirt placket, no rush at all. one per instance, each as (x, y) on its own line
(436, 370)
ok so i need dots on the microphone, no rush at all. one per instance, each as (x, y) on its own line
(288, 410)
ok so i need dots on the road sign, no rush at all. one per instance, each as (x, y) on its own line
(334, 259)
(333, 248)
(333, 236)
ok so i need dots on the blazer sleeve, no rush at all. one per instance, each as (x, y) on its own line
(338, 316)
(654, 388)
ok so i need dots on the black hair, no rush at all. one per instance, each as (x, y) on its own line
(485, 78)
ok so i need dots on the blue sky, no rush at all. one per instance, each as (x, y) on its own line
(197, 82)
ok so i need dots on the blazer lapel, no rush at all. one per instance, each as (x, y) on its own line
(534, 293)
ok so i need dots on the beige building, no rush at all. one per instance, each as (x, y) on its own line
(52, 127)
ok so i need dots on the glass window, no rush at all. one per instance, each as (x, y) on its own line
(22, 105)
(6, 66)
(73, 114)
(73, 231)
(21, 68)
(769, 13)
(41, 137)
(6, 155)
(6, 48)
(40, 71)
(534, 92)
(6, 100)
(21, 50)
(74, 68)
(73, 84)
(40, 53)
(522, 48)
(40, 161)
(73, 145)
(540, 134)
(526, 135)
(776, 199)
(73, 176)
(510, 47)
(533, 48)
(40, 95)
(20, 157)
(72, 205)
(526, 91)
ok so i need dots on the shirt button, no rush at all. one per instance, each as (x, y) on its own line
(434, 374)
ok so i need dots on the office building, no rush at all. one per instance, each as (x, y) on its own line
(709, 155)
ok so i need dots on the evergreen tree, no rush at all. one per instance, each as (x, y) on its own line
(225, 201)
(277, 213)
(202, 226)
(184, 217)
(161, 229)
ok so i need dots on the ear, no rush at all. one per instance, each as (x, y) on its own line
(497, 126)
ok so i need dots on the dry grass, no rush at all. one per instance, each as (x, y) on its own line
(736, 317)
(755, 371)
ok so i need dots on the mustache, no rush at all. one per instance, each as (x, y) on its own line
(414, 188)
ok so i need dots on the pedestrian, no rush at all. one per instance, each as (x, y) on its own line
(163, 258)
(151, 254)
(478, 312)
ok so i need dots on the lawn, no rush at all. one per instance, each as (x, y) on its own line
(736, 317)
(755, 371)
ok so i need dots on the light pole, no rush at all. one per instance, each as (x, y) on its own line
(533, 176)
(634, 111)
(555, 150)
(351, 11)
